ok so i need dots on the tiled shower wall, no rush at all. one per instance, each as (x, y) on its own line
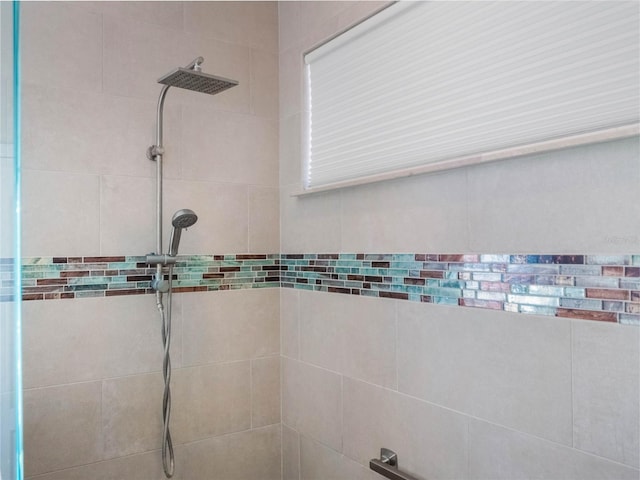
(92, 366)
(458, 392)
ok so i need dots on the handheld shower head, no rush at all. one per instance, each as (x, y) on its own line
(181, 219)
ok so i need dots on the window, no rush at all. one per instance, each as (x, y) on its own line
(431, 85)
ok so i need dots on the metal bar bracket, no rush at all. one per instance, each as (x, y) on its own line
(387, 466)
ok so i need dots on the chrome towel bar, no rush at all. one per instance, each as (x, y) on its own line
(387, 466)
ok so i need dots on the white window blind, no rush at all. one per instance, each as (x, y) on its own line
(425, 83)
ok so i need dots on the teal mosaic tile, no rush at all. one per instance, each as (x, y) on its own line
(540, 284)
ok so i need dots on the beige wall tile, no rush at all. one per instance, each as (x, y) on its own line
(62, 427)
(430, 441)
(352, 335)
(137, 54)
(145, 466)
(61, 45)
(606, 390)
(312, 402)
(291, 83)
(232, 148)
(132, 414)
(291, 151)
(505, 199)
(498, 366)
(289, 331)
(127, 226)
(358, 11)
(322, 463)
(251, 455)
(64, 132)
(61, 343)
(498, 453)
(254, 24)
(63, 213)
(264, 84)
(230, 325)
(265, 391)
(67, 341)
(163, 13)
(210, 400)
(311, 223)
(290, 454)
(418, 214)
(133, 334)
(289, 24)
(222, 211)
(264, 219)
(319, 22)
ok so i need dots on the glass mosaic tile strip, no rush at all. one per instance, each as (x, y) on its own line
(589, 287)
(54, 278)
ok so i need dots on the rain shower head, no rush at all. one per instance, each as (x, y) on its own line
(197, 81)
(181, 219)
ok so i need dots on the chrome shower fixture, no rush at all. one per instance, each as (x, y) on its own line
(190, 78)
(181, 219)
(197, 81)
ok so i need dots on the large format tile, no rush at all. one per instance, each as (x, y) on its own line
(61, 343)
(145, 466)
(264, 84)
(289, 331)
(606, 390)
(159, 13)
(251, 455)
(68, 341)
(137, 54)
(290, 454)
(310, 223)
(425, 213)
(60, 214)
(265, 391)
(62, 427)
(510, 369)
(352, 335)
(230, 325)
(501, 454)
(61, 45)
(318, 462)
(291, 82)
(312, 402)
(264, 219)
(127, 226)
(63, 132)
(254, 24)
(431, 442)
(222, 211)
(210, 400)
(229, 147)
(527, 204)
(132, 414)
(291, 159)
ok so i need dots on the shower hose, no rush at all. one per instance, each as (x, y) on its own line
(167, 446)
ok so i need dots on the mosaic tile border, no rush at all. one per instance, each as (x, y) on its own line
(49, 278)
(590, 287)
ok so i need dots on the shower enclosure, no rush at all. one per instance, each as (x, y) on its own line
(10, 356)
